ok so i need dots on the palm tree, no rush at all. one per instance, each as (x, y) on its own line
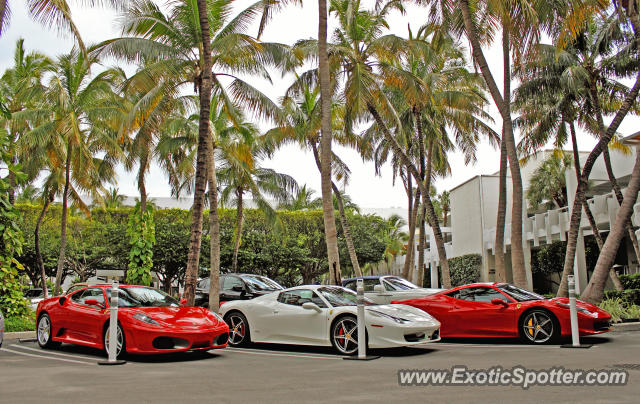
(302, 200)
(76, 115)
(548, 183)
(198, 43)
(21, 87)
(240, 174)
(112, 199)
(445, 206)
(54, 14)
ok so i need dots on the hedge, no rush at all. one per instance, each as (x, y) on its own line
(630, 281)
(628, 296)
(465, 269)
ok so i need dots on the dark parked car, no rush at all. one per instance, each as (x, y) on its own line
(236, 287)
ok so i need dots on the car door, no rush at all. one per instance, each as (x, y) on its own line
(292, 323)
(475, 315)
(84, 322)
(232, 288)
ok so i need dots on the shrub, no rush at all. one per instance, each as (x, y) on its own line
(630, 281)
(465, 269)
(619, 310)
(21, 323)
(629, 297)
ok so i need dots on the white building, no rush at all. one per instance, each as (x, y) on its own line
(474, 206)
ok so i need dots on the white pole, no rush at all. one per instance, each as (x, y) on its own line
(573, 312)
(113, 323)
(362, 339)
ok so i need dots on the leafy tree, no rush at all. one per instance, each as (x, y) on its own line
(548, 183)
(142, 236)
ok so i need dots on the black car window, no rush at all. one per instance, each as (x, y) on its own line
(299, 297)
(478, 294)
(80, 297)
(231, 281)
(351, 285)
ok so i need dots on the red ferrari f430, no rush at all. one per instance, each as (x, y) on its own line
(149, 321)
(504, 310)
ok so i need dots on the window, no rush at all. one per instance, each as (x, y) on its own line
(139, 296)
(231, 281)
(368, 284)
(261, 283)
(91, 293)
(478, 294)
(396, 283)
(299, 297)
(519, 294)
(338, 296)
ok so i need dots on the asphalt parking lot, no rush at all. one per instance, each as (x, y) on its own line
(274, 373)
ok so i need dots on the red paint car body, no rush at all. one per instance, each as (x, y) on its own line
(485, 316)
(175, 328)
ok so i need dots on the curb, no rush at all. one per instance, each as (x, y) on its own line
(19, 335)
(626, 327)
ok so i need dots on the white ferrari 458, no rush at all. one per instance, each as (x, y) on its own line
(325, 316)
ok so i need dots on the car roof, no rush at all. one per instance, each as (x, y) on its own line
(365, 277)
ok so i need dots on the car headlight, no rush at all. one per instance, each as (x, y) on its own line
(578, 308)
(398, 320)
(145, 319)
(217, 316)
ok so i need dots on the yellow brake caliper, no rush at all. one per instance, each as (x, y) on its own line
(530, 326)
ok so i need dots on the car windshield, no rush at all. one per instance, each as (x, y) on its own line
(399, 283)
(261, 283)
(33, 293)
(338, 296)
(519, 294)
(143, 297)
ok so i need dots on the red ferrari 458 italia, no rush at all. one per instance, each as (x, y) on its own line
(149, 321)
(504, 310)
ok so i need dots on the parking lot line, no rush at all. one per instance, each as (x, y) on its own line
(453, 344)
(43, 356)
(55, 353)
(285, 354)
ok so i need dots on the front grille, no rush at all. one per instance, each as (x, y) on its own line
(419, 336)
(170, 343)
(200, 344)
(221, 339)
(601, 325)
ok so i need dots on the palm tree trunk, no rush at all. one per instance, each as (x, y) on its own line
(603, 143)
(214, 230)
(421, 243)
(193, 259)
(504, 106)
(141, 185)
(343, 217)
(413, 221)
(619, 197)
(587, 210)
(331, 236)
(426, 167)
(63, 222)
(36, 233)
(412, 229)
(595, 290)
(501, 274)
(236, 245)
(426, 199)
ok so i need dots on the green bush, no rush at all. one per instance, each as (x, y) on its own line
(630, 281)
(629, 297)
(619, 310)
(465, 269)
(22, 323)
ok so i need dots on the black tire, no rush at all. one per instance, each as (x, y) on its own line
(121, 350)
(44, 329)
(239, 333)
(344, 335)
(539, 327)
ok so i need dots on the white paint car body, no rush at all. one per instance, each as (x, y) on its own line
(388, 288)
(271, 320)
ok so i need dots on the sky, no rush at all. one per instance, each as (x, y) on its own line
(364, 187)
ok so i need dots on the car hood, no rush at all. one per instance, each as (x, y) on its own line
(579, 303)
(179, 317)
(402, 311)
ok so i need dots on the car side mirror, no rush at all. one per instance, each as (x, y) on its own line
(183, 302)
(94, 302)
(498, 302)
(311, 306)
(62, 300)
(379, 289)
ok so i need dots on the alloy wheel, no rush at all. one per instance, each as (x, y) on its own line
(44, 330)
(538, 327)
(120, 340)
(237, 329)
(345, 335)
